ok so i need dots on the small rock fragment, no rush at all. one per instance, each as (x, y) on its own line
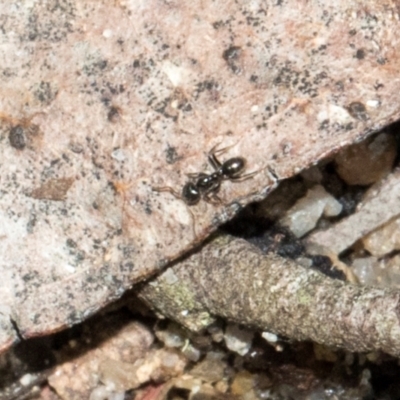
(374, 272)
(172, 336)
(384, 239)
(367, 162)
(27, 379)
(216, 331)
(380, 204)
(190, 352)
(211, 369)
(269, 337)
(158, 365)
(106, 393)
(243, 385)
(304, 215)
(393, 271)
(238, 340)
(78, 378)
(121, 376)
(367, 270)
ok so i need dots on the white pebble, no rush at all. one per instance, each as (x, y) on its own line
(238, 340)
(270, 337)
(373, 103)
(107, 33)
(26, 379)
(118, 154)
(304, 215)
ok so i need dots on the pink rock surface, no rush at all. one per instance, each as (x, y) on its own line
(102, 101)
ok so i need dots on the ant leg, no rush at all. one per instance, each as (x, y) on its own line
(274, 175)
(213, 153)
(169, 190)
(194, 175)
(212, 158)
(244, 177)
(212, 198)
(193, 224)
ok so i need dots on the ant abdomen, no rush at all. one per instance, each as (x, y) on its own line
(233, 167)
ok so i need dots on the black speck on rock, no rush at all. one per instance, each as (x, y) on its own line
(231, 53)
(360, 54)
(358, 111)
(171, 155)
(17, 137)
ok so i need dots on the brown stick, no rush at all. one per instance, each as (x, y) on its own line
(233, 279)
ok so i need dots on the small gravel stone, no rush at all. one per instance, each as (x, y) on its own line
(369, 271)
(304, 215)
(384, 273)
(384, 239)
(393, 271)
(270, 337)
(367, 162)
(238, 340)
(172, 336)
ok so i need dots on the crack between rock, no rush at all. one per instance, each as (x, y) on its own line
(15, 327)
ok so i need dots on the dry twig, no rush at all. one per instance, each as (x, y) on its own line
(231, 278)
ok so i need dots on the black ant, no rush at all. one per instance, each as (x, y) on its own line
(206, 186)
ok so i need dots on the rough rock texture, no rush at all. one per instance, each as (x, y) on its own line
(102, 101)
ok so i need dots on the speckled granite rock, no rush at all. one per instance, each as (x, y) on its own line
(102, 101)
